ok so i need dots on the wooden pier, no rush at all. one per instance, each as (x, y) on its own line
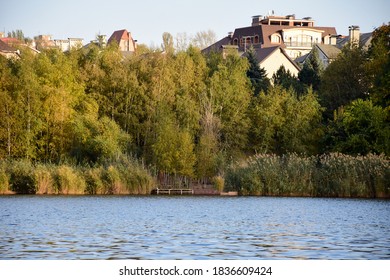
(159, 191)
(177, 191)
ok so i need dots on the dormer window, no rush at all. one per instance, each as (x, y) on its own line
(276, 39)
(235, 41)
(256, 40)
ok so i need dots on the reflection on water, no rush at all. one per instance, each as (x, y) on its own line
(121, 227)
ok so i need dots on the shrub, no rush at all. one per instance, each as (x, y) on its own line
(4, 180)
(112, 181)
(44, 181)
(93, 180)
(21, 177)
(219, 183)
(69, 180)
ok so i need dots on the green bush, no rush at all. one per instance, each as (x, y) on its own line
(69, 180)
(21, 177)
(44, 179)
(93, 180)
(4, 180)
(219, 183)
(112, 180)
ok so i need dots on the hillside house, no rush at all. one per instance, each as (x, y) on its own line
(328, 53)
(287, 36)
(46, 41)
(8, 51)
(69, 44)
(355, 37)
(295, 36)
(125, 41)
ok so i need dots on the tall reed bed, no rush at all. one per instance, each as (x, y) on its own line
(125, 176)
(4, 179)
(331, 175)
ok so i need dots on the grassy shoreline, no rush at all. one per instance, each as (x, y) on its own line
(122, 177)
(290, 175)
(331, 175)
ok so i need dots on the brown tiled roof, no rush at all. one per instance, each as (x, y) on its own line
(119, 35)
(264, 53)
(364, 40)
(330, 51)
(218, 45)
(264, 32)
(12, 41)
(4, 47)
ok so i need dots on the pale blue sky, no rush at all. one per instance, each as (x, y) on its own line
(148, 19)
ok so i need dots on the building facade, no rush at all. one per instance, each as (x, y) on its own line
(124, 40)
(295, 36)
(277, 40)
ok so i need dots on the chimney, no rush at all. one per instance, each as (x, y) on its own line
(354, 35)
(256, 20)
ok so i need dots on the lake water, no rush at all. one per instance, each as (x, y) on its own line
(126, 227)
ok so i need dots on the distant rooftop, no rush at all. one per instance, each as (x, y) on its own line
(288, 20)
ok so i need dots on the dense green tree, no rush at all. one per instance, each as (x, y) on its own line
(229, 92)
(256, 74)
(310, 74)
(282, 122)
(96, 139)
(173, 149)
(284, 78)
(344, 80)
(28, 97)
(189, 82)
(359, 128)
(7, 109)
(60, 93)
(379, 66)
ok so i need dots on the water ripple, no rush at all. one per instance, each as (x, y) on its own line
(193, 228)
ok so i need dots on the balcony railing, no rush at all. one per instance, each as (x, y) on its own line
(299, 44)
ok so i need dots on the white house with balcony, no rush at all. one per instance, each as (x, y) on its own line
(295, 36)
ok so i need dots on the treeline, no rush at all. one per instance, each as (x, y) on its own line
(186, 114)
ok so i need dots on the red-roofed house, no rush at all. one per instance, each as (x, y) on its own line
(295, 36)
(11, 41)
(124, 40)
(277, 40)
(8, 51)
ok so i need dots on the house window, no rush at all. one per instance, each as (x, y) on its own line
(276, 39)
(235, 41)
(256, 40)
(248, 40)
